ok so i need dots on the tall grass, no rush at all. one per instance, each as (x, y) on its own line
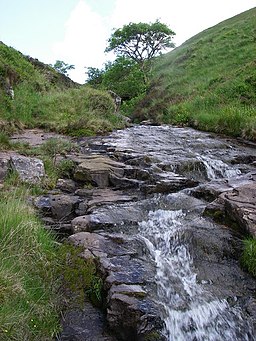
(76, 112)
(249, 256)
(29, 298)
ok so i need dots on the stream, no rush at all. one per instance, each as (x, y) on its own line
(163, 212)
(192, 309)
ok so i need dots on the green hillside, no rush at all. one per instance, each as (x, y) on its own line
(209, 82)
(48, 99)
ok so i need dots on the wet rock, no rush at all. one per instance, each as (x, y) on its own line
(97, 169)
(108, 196)
(237, 205)
(131, 314)
(61, 207)
(30, 170)
(88, 323)
(168, 182)
(122, 182)
(107, 217)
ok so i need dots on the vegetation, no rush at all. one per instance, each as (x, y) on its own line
(249, 256)
(209, 82)
(35, 269)
(29, 297)
(46, 98)
(135, 46)
(141, 42)
(63, 67)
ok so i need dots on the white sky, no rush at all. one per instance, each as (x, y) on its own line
(76, 31)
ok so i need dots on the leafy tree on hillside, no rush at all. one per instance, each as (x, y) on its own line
(63, 67)
(141, 42)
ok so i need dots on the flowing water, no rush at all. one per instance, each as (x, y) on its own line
(190, 312)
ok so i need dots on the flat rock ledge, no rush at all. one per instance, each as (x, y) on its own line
(235, 203)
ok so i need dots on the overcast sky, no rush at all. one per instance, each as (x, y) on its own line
(76, 31)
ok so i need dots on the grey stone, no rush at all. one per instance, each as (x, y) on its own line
(66, 185)
(30, 170)
(97, 169)
(63, 206)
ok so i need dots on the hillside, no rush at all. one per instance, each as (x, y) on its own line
(48, 99)
(209, 82)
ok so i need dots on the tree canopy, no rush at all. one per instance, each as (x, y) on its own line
(63, 67)
(141, 41)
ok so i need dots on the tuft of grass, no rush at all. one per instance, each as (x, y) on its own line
(4, 141)
(249, 256)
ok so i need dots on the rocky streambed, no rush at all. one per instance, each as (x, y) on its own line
(162, 211)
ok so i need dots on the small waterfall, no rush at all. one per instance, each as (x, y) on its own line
(218, 169)
(190, 313)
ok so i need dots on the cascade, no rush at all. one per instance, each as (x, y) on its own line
(189, 312)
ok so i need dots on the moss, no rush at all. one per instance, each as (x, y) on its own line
(80, 276)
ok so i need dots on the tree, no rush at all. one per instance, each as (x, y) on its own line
(141, 41)
(125, 77)
(63, 67)
(95, 75)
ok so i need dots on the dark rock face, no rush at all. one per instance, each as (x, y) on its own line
(130, 312)
(87, 324)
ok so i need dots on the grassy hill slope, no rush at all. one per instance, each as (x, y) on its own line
(48, 99)
(209, 82)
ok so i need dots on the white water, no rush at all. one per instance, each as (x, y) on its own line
(190, 313)
(218, 169)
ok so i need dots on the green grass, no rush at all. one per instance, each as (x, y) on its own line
(249, 256)
(36, 271)
(76, 112)
(47, 99)
(29, 299)
(209, 82)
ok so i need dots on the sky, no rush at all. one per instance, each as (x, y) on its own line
(76, 31)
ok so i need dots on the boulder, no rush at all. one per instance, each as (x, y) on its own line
(96, 170)
(237, 205)
(108, 217)
(66, 185)
(60, 207)
(30, 170)
(240, 206)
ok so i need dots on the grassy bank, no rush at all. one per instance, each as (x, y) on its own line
(76, 112)
(48, 99)
(36, 270)
(29, 298)
(209, 82)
